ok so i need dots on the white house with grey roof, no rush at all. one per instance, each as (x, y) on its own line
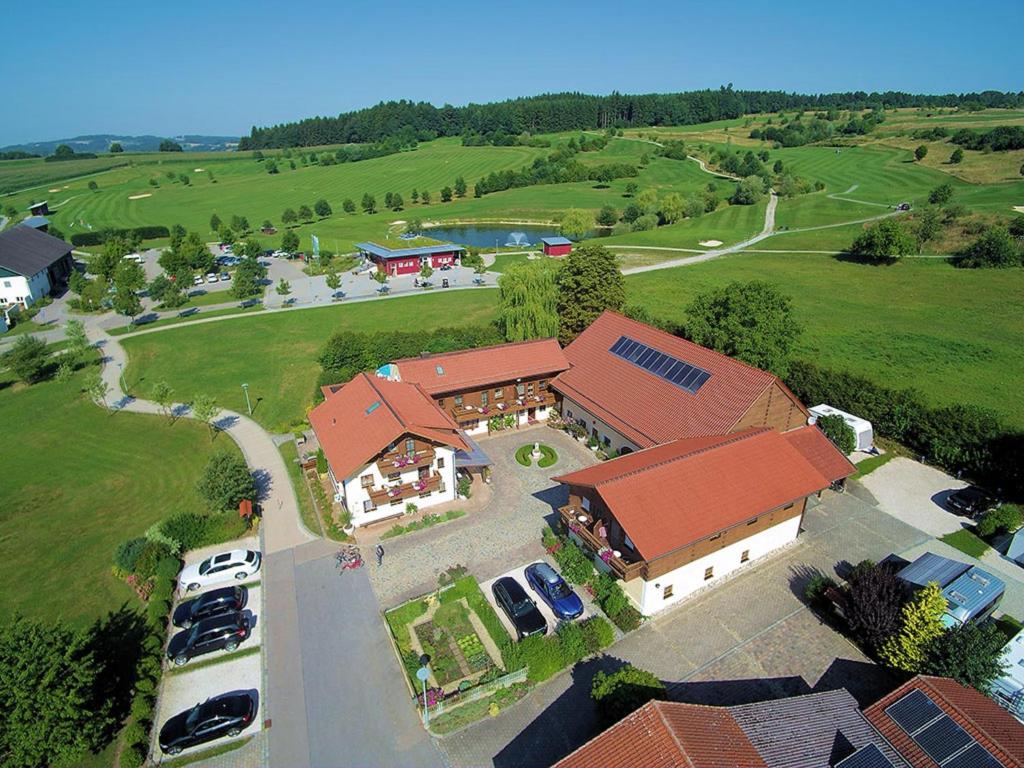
(32, 264)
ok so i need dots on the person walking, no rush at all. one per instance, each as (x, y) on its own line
(379, 551)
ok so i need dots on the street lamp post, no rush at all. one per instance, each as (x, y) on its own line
(422, 674)
(245, 388)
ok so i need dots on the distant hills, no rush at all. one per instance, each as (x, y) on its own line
(100, 143)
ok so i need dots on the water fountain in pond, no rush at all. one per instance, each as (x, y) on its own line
(517, 239)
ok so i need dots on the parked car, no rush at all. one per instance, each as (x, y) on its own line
(197, 280)
(236, 564)
(445, 267)
(211, 277)
(520, 609)
(226, 715)
(225, 276)
(136, 257)
(226, 631)
(971, 501)
(216, 602)
(553, 590)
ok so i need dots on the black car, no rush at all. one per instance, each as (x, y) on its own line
(226, 631)
(225, 715)
(519, 608)
(971, 501)
(216, 602)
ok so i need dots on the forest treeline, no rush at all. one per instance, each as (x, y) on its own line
(409, 122)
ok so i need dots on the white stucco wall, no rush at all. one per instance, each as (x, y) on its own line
(573, 411)
(354, 494)
(648, 595)
(18, 289)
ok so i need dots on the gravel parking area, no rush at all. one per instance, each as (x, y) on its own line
(519, 574)
(916, 493)
(252, 613)
(184, 690)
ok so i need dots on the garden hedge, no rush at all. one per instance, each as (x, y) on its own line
(100, 236)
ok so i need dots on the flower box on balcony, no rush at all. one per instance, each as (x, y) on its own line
(392, 492)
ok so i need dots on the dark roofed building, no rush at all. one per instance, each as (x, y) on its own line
(36, 222)
(32, 264)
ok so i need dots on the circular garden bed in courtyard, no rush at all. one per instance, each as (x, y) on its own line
(524, 455)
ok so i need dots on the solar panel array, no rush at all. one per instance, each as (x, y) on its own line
(671, 369)
(866, 757)
(938, 736)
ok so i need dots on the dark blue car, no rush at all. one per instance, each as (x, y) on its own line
(553, 590)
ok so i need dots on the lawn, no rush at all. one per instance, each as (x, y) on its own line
(920, 323)
(275, 354)
(77, 481)
(967, 542)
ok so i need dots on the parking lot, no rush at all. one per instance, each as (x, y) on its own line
(218, 672)
(916, 493)
(519, 574)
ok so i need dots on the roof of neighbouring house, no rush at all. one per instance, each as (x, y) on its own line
(984, 721)
(817, 729)
(358, 420)
(35, 222)
(469, 368)
(821, 452)
(646, 408)
(664, 734)
(674, 494)
(28, 251)
(556, 241)
(386, 252)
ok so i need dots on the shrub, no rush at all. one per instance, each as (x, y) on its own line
(1006, 518)
(548, 538)
(816, 587)
(167, 569)
(839, 432)
(151, 554)
(127, 554)
(134, 733)
(971, 654)
(995, 248)
(133, 756)
(624, 691)
(463, 486)
(597, 633)
(542, 656)
(187, 528)
(572, 642)
(142, 709)
(321, 462)
(156, 534)
(574, 563)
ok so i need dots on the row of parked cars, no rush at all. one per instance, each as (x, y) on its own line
(213, 620)
(522, 610)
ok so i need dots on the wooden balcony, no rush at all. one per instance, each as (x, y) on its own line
(624, 565)
(383, 497)
(400, 461)
(517, 405)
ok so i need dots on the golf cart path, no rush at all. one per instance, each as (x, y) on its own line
(841, 196)
(282, 526)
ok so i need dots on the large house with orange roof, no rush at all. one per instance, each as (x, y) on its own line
(386, 445)
(671, 519)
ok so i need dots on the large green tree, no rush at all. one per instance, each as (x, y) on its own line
(576, 223)
(884, 241)
(970, 654)
(995, 248)
(623, 691)
(589, 282)
(528, 302)
(751, 321)
(29, 359)
(49, 711)
(921, 623)
(226, 481)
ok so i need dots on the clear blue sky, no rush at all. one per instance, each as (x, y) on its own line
(75, 67)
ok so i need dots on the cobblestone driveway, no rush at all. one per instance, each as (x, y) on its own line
(490, 541)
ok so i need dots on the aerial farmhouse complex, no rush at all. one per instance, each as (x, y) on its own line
(714, 458)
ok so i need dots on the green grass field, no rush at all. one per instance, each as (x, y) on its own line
(275, 354)
(77, 481)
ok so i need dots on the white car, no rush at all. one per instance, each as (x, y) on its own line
(212, 277)
(197, 280)
(237, 564)
(136, 257)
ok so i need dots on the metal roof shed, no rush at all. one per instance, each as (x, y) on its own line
(931, 567)
(971, 596)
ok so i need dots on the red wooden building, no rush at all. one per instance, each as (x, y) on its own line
(409, 261)
(556, 246)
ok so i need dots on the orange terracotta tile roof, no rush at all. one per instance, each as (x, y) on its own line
(675, 494)
(644, 408)
(665, 734)
(820, 451)
(363, 417)
(484, 366)
(988, 723)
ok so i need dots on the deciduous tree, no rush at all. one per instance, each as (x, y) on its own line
(289, 217)
(623, 691)
(589, 282)
(369, 204)
(920, 153)
(29, 359)
(226, 481)
(883, 241)
(920, 624)
(575, 223)
(460, 187)
(941, 195)
(873, 601)
(446, 194)
(163, 395)
(348, 205)
(672, 208)
(205, 409)
(215, 223)
(289, 242)
(322, 208)
(528, 302)
(957, 156)
(607, 216)
(971, 654)
(305, 213)
(995, 248)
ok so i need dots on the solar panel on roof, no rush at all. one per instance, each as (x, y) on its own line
(913, 711)
(866, 757)
(975, 756)
(942, 739)
(671, 369)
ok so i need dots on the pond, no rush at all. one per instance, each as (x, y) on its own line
(485, 235)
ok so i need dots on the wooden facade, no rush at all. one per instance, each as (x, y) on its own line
(469, 407)
(776, 407)
(630, 563)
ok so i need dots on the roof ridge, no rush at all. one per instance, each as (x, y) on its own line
(729, 440)
(384, 398)
(467, 350)
(656, 706)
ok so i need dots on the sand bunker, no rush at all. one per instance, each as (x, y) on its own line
(139, 197)
(711, 243)
(54, 190)
(198, 170)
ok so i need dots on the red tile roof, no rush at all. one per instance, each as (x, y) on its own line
(675, 494)
(820, 451)
(352, 430)
(645, 408)
(484, 366)
(665, 734)
(990, 725)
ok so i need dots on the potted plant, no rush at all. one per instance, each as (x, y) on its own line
(592, 443)
(345, 518)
